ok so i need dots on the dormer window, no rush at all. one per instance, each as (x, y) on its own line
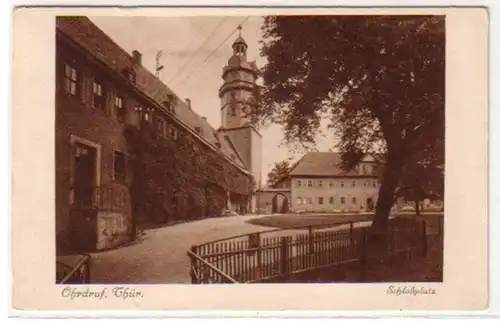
(218, 145)
(170, 104)
(129, 73)
(198, 130)
(144, 113)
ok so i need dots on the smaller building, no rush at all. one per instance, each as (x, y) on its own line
(317, 183)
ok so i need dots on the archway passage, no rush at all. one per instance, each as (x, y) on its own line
(280, 203)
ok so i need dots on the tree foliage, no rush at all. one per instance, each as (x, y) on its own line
(379, 79)
(278, 173)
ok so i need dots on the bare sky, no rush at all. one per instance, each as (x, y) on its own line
(193, 58)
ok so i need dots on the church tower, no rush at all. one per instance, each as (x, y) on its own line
(236, 93)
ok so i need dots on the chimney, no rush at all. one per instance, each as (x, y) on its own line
(188, 102)
(136, 57)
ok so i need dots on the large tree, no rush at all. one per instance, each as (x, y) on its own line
(379, 79)
(278, 173)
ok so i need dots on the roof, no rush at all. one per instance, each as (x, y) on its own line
(239, 40)
(320, 164)
(86, 34)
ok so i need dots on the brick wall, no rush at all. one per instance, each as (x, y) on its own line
(76, 121)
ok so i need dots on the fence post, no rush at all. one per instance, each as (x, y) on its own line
(284, 257)
(311, 246)
(193, 269)
(87, 271)
(362, 253)
(351, 235)
(259, 257)
(424, 238)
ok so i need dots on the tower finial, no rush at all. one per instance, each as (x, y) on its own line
(239, 29)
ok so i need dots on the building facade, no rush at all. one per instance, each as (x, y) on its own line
(101, 90)
(317, 183)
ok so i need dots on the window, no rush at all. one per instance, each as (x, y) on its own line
(309, 183)
(341, 183)
(161, 127)
(172, 132)
(144, 114)
(353, 183)
(170, 104)
(70, 79)
(233, 110)
(363, 169)
(320, 200)
(121, 114)
(299, 201)
(374, 183)
(331, 200)
(320, 184)
(120, 166)
(353, 200)
(299, 183)
(331, 183)
(309, 200)
(131, 76)
(98, 99)
(342, 200)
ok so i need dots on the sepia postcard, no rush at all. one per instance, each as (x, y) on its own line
(250, 159)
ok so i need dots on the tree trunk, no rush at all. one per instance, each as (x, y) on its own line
(378, 232)
(390, 181)
(417, 207)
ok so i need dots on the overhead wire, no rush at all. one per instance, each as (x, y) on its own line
(212, 53)
(196, 52)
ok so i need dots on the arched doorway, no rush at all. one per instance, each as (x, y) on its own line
(280, 203)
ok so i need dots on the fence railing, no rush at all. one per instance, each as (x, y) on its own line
(264, 257)
(78, 274)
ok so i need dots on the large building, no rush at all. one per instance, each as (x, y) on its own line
(317, 183)
(101, 92)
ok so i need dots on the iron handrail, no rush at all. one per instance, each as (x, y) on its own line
(84, 260)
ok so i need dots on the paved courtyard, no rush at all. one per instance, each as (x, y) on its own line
(160, 257)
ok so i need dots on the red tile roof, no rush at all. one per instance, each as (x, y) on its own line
(86, 34)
